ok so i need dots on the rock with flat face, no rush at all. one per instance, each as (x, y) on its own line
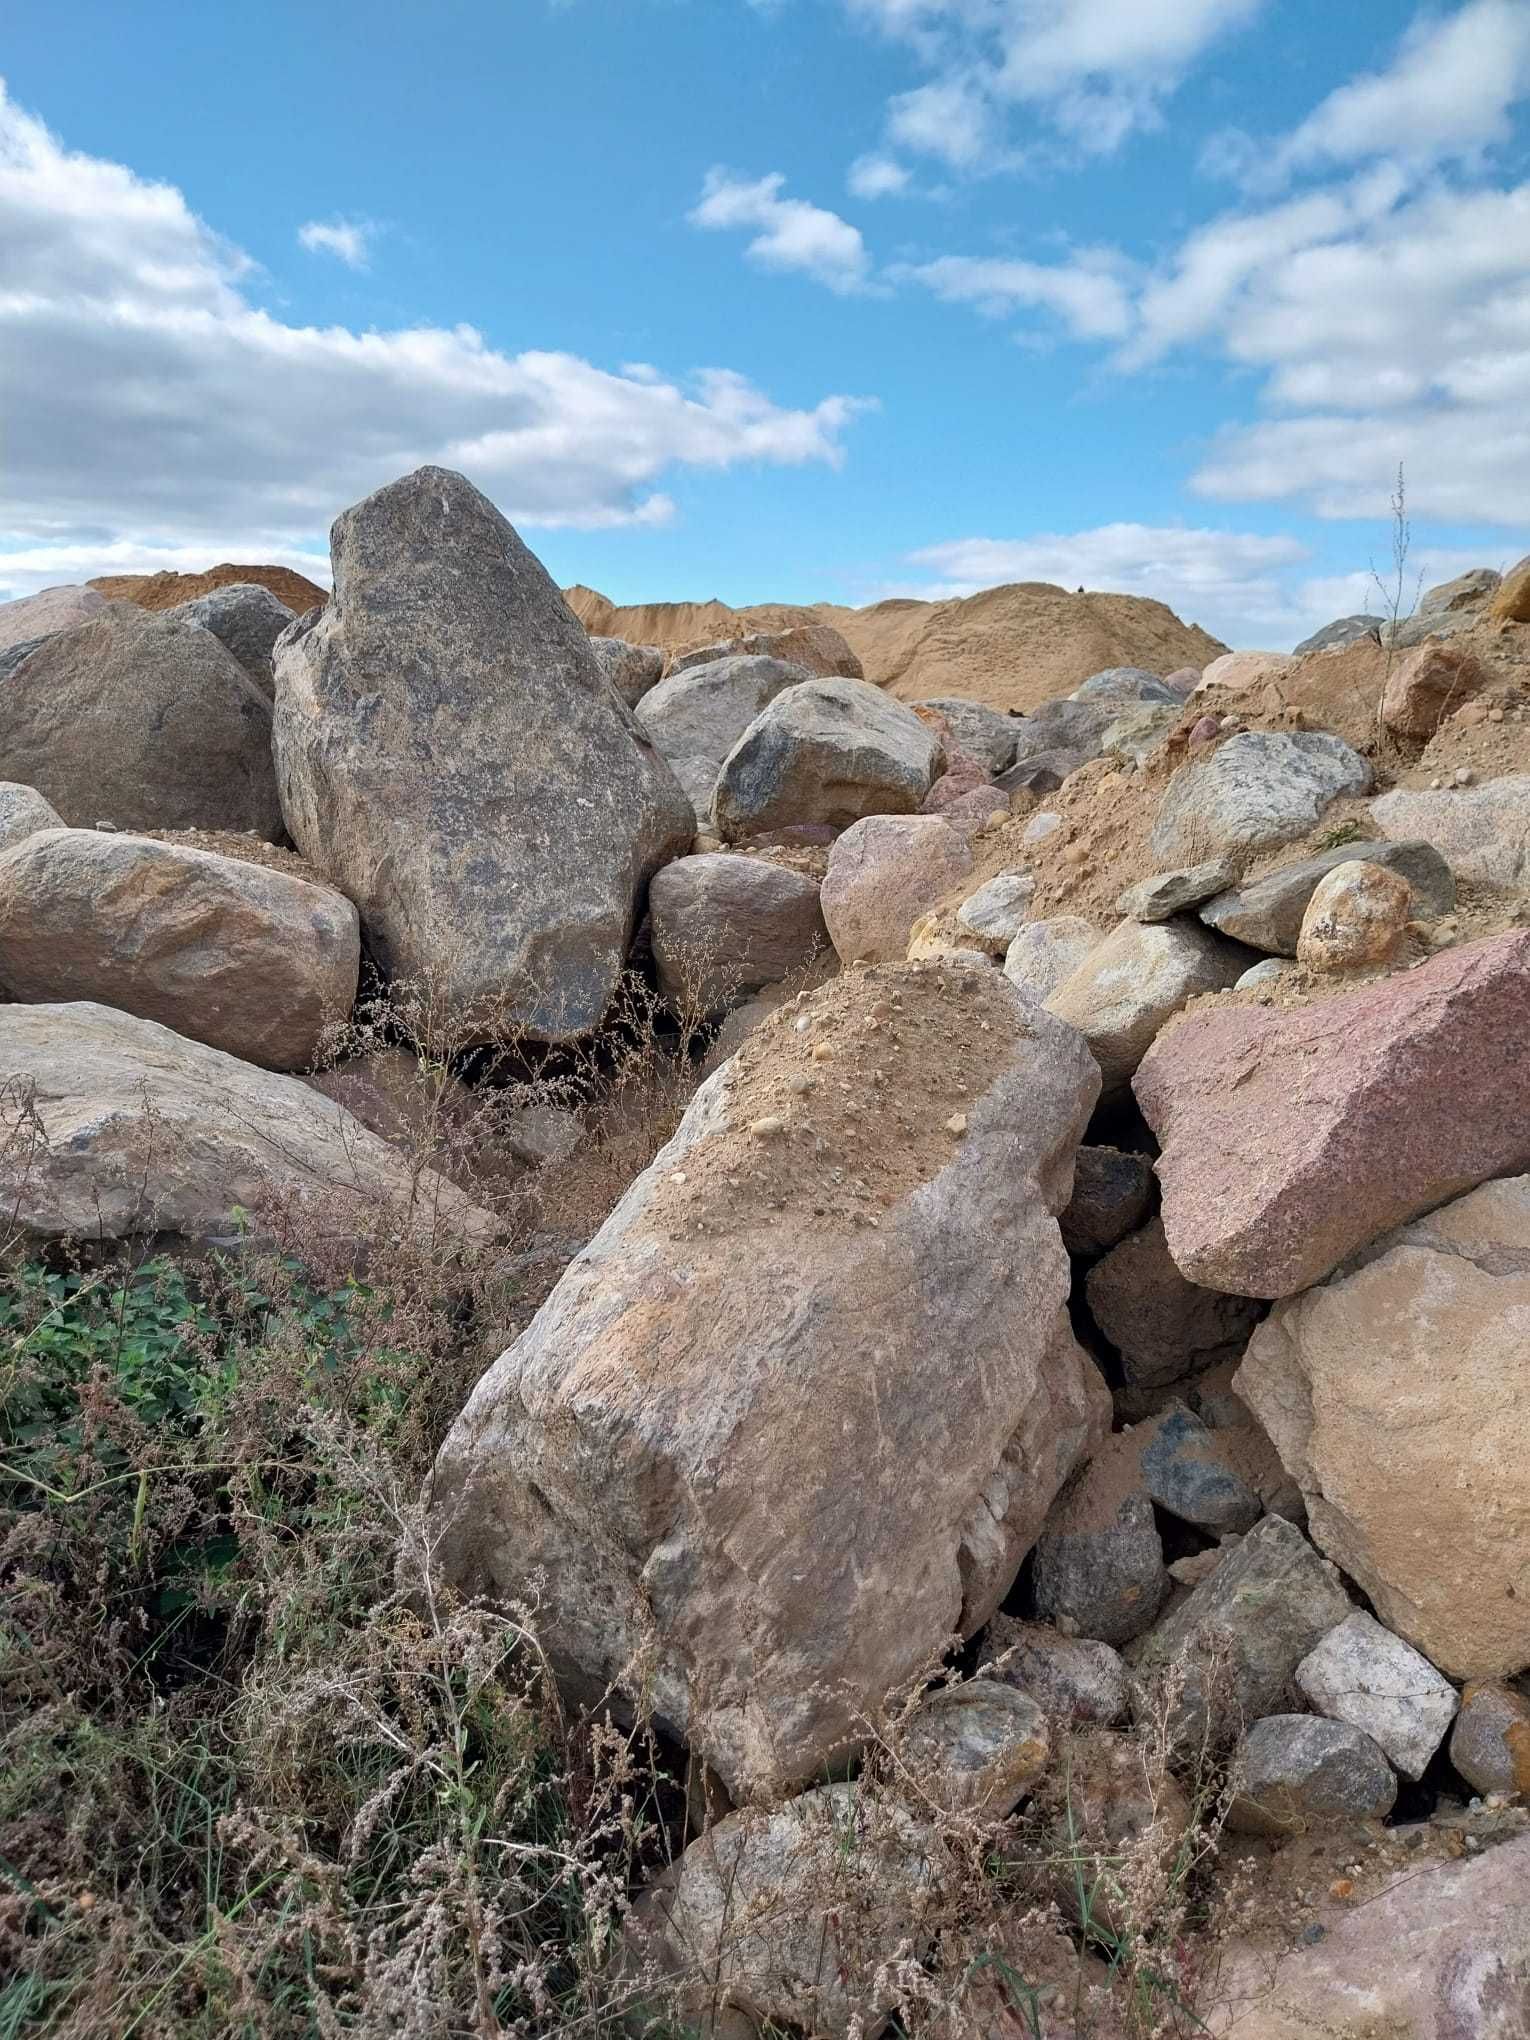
(1188, 1470)
(1291, 1138)
(1294, 1772)
(113, 1127)
(1483, 831)
(1099, 1568)
(1344, 630)
(1258, 790)
(23, 811)
(1388, 1392)
(247, 620)
(1133, 981)
(1164, 1326)
(695, 717)
(250, 960)
(995, 913)
(1466, 591)
(884, 872)
(985, 733)
(1062, 726)
(827, 751)
(721, 1444)
(1430, 684)
(143, 722)
(1046, 953)
(1363, 1674)
(631, 669)
(453, 758)
(725, 925)
(818, 647)
(34, 617)
(1267, 912)
(1168, 893)
(1112, 1192)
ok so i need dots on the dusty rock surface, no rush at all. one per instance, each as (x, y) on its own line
(725, 925)
(1372, 1382)
(31, 617)
(1127, 986)
(443, 739)
(765, 1601)
(883, 873)
(1257, 790)
(23, 811)
(1290, 1139)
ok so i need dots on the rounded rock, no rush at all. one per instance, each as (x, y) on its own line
(1297, 1771)
(1356, 916)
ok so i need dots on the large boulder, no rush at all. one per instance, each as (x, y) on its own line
(883, 873)
(724, 925)
(251, 960)
(695, 717)
(723, 1446)
(245, 618)
(1389, 1394)
(142, 722)
(1290, 1138)
(114, 1127)
(828, 751)
(452, 757)
(631, 669)
(1484, 831)
(1258, 790)
(1133, 981)
(31, 618)
(1267, 912)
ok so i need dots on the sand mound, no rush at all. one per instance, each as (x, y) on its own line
(1009, 647)
(165, 591)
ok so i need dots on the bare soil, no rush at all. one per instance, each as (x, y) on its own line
(167, 591)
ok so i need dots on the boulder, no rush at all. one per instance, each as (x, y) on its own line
(1046, 953)
(986, 733)
(1254, 792)
(884, 872)
(1293, 1772)
(1386, 1392)
(1129, 984)
(1430, 684)
(23, 811)
(112, 1127)
(1490, 1743)
(1467, 591)
(1074, 1678)
(32, 618)
(1344, 630)
(1510, 601)
(1267, 912)
(1240, 670)
(247, 620)
(1363, 1674)
(1063, 725)
(143, 722)
(1137, 733)
(1484, 831)
(995, 913)
(1356, 916)
(975, 1747)
(1112, 1192)
(1239, 1636)
(818, 647)
(1163, 1326)
(451, 756)
(1168, 893)
(1122, 685)
(1292, 1137)
(1044, 771)
(1188, 1470)
(1098, 1565)
(827, 751)
(631, 669)
(721, 1444)
(250, 960)
(695, 717)
(724, 925)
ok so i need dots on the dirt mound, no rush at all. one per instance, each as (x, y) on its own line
(1008, 647)
(167, 590)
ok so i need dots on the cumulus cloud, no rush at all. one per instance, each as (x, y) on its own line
(877, 176)
(152, 402)
(1088, 293)
(788, 233)
(349, 241)
(1095, 71)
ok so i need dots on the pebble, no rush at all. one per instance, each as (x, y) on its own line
(957, 1123)
(1464, 775)
(768, 1127)
(822, 1052)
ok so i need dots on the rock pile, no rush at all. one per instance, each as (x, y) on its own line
(1103, 1239)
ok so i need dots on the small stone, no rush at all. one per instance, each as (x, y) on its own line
(995, 913)
(1464, 775)
(1099, 1559)
(768, 1127)
(1356, 916)
(1040, 826)
(957, 1123)
(1363, 1674)
(1075, 1678)
(1297, 1771)
(1490, 1743)
(977, 1747)
(1259, 975)
(1204, 730)
(822, 1052)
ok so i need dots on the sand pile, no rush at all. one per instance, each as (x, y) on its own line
(166, 590)
(1009, 647)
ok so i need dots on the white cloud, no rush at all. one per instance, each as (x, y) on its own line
(349, 241)
(151, 402)
(876, 176)
(792, 234)
(1095, 70)
(1087, 293)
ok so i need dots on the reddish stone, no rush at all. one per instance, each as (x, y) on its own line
(1293, 1137)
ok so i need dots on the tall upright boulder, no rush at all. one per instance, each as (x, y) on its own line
(796, 1414)
(452, 756)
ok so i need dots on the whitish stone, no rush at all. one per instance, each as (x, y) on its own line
(1363, 1674)
(23, 812)
(1045, 953)
(1482, 831)
(995, 913)
(1254, 792)
(1168, 893)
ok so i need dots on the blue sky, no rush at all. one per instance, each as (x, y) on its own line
(777, 299)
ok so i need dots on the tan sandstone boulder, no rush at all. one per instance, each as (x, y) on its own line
(245, 958)
(1391, 1394)
(795, 1416)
